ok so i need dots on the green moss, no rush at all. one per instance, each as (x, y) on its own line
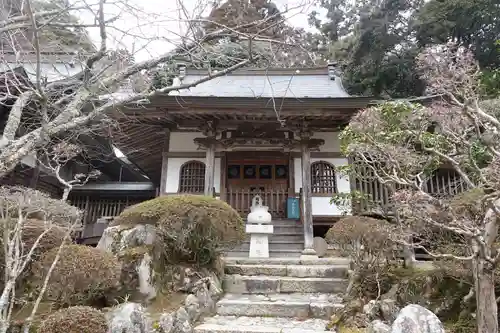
(134, 254)
(155, 210)
(462, 325)
(190, 229)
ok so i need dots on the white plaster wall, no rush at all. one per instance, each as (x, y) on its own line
(332, 142)
(174, 168)
(183, 141)
(297, 170)
(321, 205)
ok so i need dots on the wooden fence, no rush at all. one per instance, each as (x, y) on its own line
(241, 200)
(443, 184)
(95, 207)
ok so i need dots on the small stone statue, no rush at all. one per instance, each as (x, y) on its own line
(259, 214)
(259, 228)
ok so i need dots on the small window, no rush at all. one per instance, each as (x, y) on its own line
(233, 172)
(249, 171)
(323, 179)
(192, 177)
(265, 172)
(281, 171)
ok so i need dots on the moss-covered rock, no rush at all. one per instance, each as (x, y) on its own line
(136, 272)
(77, 319)
(430, 287)
(190, 229)
(82, 275)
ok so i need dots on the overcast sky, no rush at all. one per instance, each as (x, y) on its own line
(152, 27)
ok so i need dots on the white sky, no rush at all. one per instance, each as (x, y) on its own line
(156, 25)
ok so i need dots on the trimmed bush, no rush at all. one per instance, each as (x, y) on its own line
(77, 319)
(191, 229)
(360, 236)
(82, 276)
(53, 237)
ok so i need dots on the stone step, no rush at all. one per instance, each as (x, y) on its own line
(288, 229)
(274, 240)
(260, 284)
(272, 253)
(274, 245)
(279, 305)
(331, 271)
(287, 223)
(284, 237)
(286, 261)
(288, 237)
(244, 324)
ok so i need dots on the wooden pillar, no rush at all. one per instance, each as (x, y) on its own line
(210, 170)
(163, 178)
(164, 163)
(306, 203)
(223, 178)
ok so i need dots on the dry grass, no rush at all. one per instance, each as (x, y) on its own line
(77, 319)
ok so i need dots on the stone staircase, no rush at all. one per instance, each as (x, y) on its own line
(278, 295)
(286, 241)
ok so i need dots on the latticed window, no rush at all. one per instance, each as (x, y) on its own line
(192, 177)
(323, 178)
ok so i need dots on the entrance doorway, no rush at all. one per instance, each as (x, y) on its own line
(264, 173)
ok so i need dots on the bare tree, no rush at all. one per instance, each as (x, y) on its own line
(402, 144)
(83, 99)
(18, 207)
(56, 157)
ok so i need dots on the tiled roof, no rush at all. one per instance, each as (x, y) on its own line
(306, 83)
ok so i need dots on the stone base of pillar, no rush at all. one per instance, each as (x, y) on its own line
(309, 254)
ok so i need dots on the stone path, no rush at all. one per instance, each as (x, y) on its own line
(278, 295)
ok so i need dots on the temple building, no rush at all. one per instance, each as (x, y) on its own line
(272, 132)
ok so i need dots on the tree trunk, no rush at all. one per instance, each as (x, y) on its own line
(65, 194)
(486, 312)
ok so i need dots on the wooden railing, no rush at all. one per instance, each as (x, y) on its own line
(94, 207)
(443, 184)
(241, 200)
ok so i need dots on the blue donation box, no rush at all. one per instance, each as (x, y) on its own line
(292, 208)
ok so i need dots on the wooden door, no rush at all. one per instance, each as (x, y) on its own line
(265, 174)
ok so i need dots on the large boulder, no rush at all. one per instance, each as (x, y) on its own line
(132, 245)
(414, 318)
(119, 238)
(320, 246)
(129, 318)
(169, 243)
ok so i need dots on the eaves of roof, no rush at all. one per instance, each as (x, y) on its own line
(182, 102)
